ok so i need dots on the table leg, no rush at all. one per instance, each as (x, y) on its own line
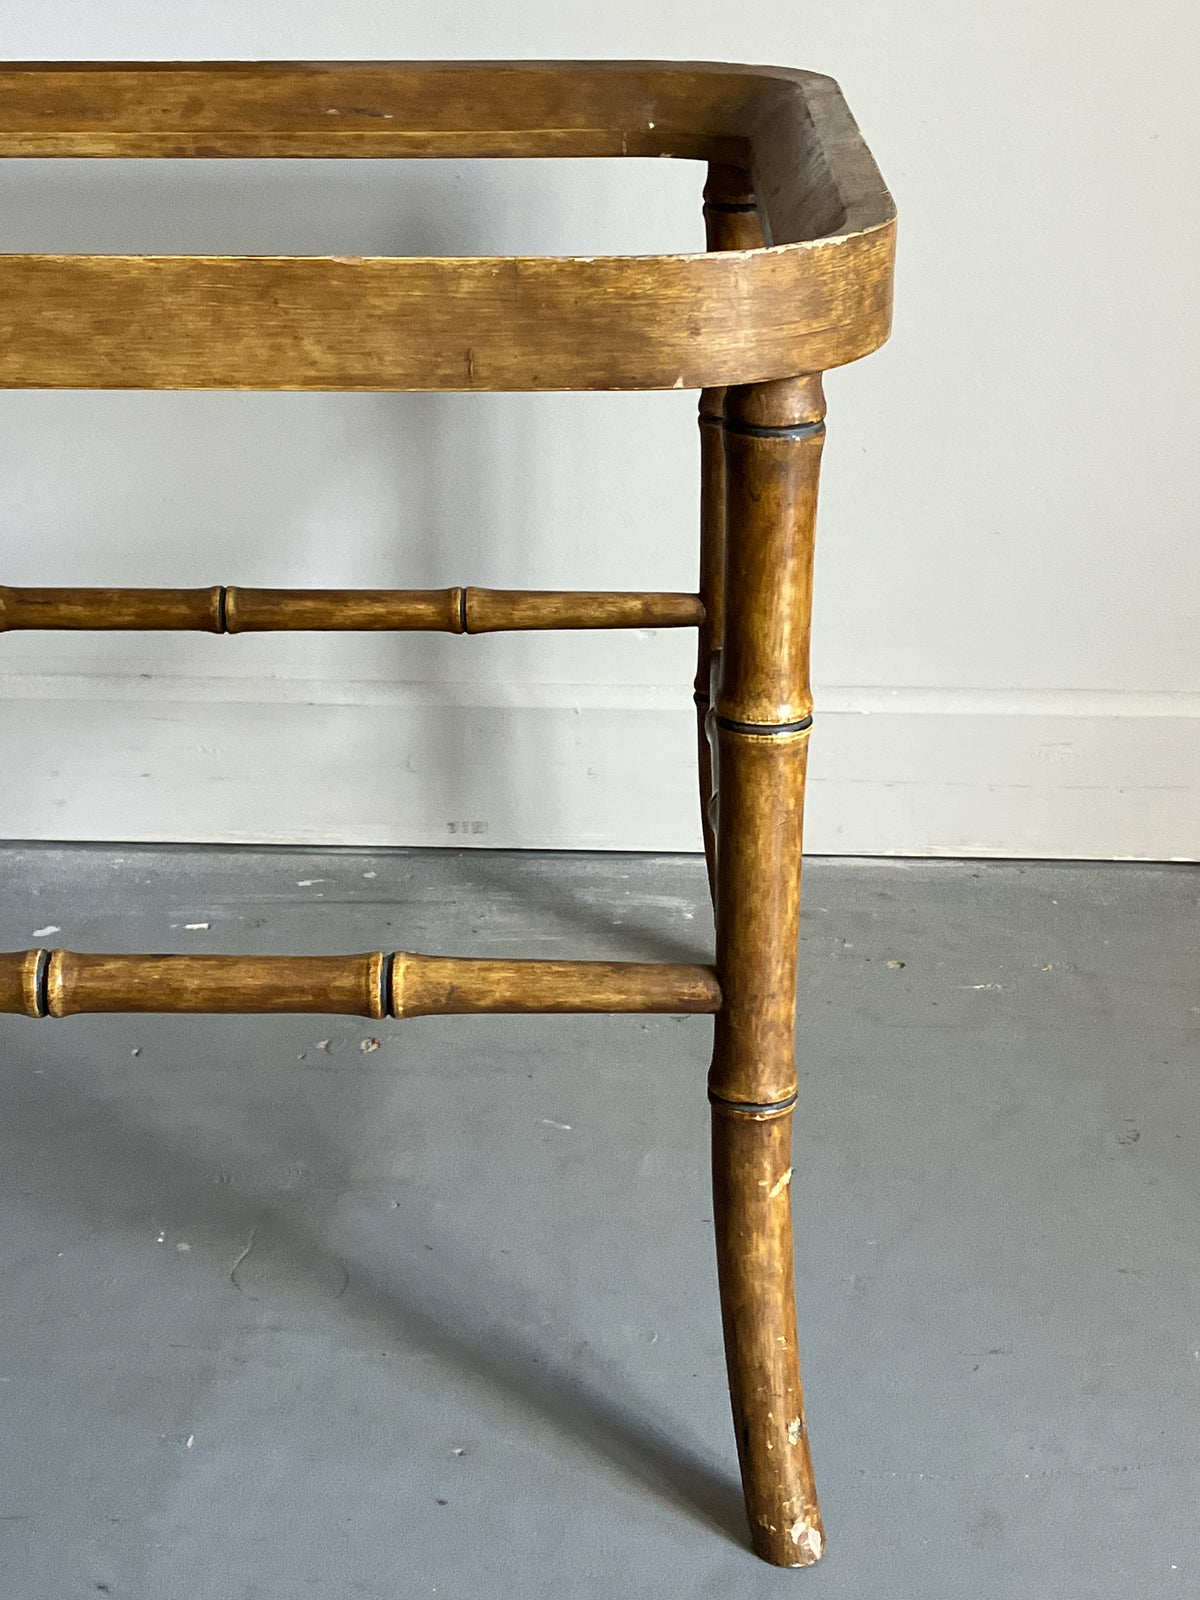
(773, 437)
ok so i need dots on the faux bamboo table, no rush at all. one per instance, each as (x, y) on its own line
(797, 279)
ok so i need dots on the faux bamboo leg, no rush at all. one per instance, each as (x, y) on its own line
(731, 222)
(773, 436)
(712, 592)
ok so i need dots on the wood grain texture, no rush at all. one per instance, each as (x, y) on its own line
(343, 610)
(505, 610)
(455, 610)
(197, 609)
(61, 983)
(818, 296)
(348, 986)
(241, 610)
(429, 985)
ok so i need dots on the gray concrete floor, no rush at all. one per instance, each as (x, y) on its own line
(299, 1306)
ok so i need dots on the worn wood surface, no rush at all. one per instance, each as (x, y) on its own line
(349, 986)
(771, 492)
(759, 828)
(797, 278)
(19, 975)
(198, 609)
(241, 610)
(425, 985)
(752, 1214)
(820, 296)
(502, 610)
(772, 457)
(60, 983)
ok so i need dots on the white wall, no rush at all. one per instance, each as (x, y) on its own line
(1009, 579)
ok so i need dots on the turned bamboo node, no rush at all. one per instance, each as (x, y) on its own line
(797, 402)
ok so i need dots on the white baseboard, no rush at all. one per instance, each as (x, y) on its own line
(1039, 774)
(1052, 774)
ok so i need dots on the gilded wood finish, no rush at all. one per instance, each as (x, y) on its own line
(239, 610)
(820, 296)
(61, 983)
(796, 279)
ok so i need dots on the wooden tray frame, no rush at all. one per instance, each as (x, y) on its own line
(797, 278)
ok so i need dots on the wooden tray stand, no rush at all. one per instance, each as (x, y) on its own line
(796, 279)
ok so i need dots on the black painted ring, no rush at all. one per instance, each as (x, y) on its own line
(799, 430)
(750, 1108)
(771, 729)
(41, 984)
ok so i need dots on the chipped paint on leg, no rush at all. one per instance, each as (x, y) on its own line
(808, 1541)
(774, 1190)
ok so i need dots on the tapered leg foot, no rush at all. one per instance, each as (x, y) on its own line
(752, 1174)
